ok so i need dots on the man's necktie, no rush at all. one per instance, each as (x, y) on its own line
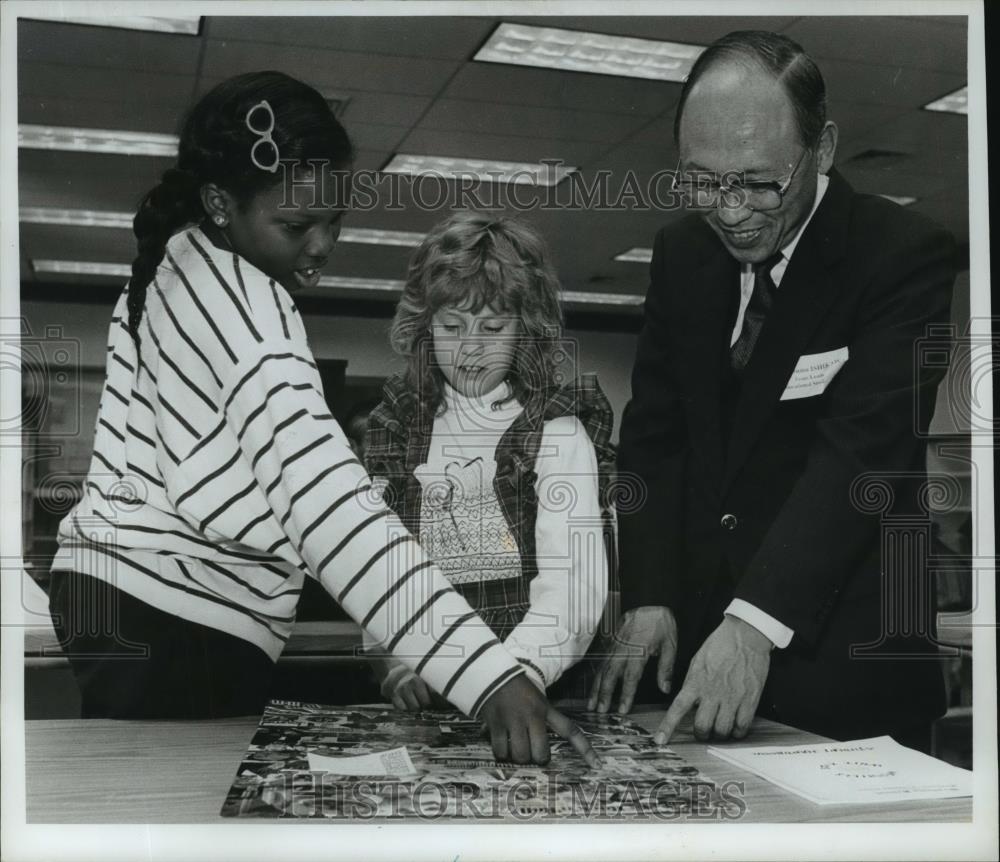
(753, 318)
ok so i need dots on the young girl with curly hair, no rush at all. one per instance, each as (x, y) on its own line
(486, 454)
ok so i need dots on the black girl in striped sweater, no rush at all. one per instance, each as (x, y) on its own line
(220, 480)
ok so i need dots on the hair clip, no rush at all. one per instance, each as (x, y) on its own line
(264, 135)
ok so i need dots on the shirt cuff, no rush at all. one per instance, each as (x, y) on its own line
(533, 673)
(778, 633)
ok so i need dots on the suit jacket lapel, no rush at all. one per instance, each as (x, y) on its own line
(807, 290)
(714, 289)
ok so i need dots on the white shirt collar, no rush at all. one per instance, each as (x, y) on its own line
(484, 403)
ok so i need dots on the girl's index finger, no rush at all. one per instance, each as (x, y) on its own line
(563, 726)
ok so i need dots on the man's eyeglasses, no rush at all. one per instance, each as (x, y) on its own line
(701, 190)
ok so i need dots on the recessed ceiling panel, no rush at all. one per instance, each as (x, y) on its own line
(352, 70)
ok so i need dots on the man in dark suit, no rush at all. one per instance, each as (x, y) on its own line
(775, 376)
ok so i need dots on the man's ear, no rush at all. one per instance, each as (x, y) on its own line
(218, 203)
(826, 149)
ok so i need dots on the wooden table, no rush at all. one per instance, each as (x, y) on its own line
(99, 771)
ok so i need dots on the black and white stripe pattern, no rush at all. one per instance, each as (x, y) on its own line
(220, 480)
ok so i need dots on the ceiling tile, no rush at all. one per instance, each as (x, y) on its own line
(887, 85)
(370, 160)
(916, 43)
(518, 85)
(939, 20)
(508, 148)
(522, 120)
(455, 38)
(401, 202)
(448, 37)
(651, 147)
(390, 109)
(855, 120)
(935, 143)
(79, 45)
(896, 182)
(137, 114)
(647, 150)
(330, 70)
(608, 234)
(67, 82)
(373, 136)
(363, 106)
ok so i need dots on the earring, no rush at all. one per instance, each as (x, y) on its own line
(220, 220)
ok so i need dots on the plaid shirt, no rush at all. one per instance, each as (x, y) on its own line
(398, 441)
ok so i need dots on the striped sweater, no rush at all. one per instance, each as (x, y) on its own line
(219, 480)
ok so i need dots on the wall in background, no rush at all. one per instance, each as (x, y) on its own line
(362, 341)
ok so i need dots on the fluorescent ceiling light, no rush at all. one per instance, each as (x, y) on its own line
(31, 137)
(186, 25)
(635, 255)
(383, 285)
(953, 103)
(902, 200)
(374, 236)
(82, 267)
(446, 167)
(590, 298)
(580, 51)
(123, 220)
(76, 218)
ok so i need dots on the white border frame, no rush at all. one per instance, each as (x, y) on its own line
(976, 840)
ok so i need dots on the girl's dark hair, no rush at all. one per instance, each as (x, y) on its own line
(214, 147)
(469, 261)
(783, 58)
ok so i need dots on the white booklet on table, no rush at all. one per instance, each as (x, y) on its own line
(860, 771)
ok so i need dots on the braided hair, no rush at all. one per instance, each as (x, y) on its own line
(214, 147)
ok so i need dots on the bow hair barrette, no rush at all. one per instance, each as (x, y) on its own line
(260, 121)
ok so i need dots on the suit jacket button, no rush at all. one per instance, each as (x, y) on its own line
(729, 521)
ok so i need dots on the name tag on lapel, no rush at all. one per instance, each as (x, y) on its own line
(813, 374)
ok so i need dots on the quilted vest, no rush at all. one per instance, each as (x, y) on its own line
(398, 441)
